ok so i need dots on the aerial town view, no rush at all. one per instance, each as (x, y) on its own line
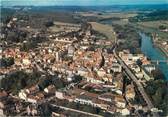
(84, 58)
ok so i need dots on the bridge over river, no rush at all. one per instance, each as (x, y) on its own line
(159, 61)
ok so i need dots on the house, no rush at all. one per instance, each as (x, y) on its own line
(107, 78)
(145, 61)
(59, 95)
(146, 75)
(136, 68)
(86, 98)
(103, 104)
(130, 92)
(116, 67)
(109, 97)
(111, 109)
(71, 51)
(26, 61)
(33, 89)
(23, 95)
(125, 112)
(50, 89)
(63, 40)
(101, 72)
(57, 56)
(3, 94)
(82, 71)
(14, 19)
(120, 101)
(49, 58)
(149, 68)
(137, 57)
(35, 98)
(96, 80)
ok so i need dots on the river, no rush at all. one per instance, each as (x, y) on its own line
(153, 53)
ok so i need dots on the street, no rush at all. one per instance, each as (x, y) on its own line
(139, 85)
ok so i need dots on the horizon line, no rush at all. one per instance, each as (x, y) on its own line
(87, 5)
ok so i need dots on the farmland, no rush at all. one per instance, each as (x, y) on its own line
(107, 15)
(153, 27)
(107, 30)
(61, 26)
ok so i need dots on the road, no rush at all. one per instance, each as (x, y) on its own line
(138, 84)
(39, 68)
(78, 111)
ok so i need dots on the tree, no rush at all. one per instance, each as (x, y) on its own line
(139, 63)
(157, 74)
(162, 27)
(157, 97)
(49, 23)
(6, 62)
(157, 90)
(44, 83)
(58, 83)
(89, 109)
(46, 110)
(13, 36)
(77, 78)
(150, 90)
(10, 61)
(19, 80)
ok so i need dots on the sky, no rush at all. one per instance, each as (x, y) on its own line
(79, 2)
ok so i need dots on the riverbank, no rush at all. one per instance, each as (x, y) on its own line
(151, 51)
(159, 46)
(161, 49)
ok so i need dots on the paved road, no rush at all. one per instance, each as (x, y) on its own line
(39, 68)
(139, 85)
(78, 111)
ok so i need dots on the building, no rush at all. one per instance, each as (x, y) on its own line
(32, 90)
(149, 68)
(71, 51)
(50, 89)
(59, 95)
(23, 95)
(116, 67)
(26, 61)
(108, 97)
(86, 98)
(35, 98)
(120, 101)
(130, 92)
